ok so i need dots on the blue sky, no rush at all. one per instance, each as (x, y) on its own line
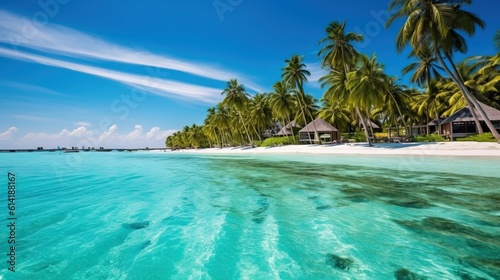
(128, 73)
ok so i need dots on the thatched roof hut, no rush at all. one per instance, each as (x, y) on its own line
(461, 123)
(318, 130)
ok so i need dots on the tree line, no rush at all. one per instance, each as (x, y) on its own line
(356, 88)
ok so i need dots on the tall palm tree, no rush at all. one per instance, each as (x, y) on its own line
(424, 71)
(340, 56)
(371, 87)
(397, 97)
(436, 24)
(295, 74)
(338, 52)
(310, 108)
(261, 113)
(282, 102)
(452, 92)
(236, 97)
(209, 127)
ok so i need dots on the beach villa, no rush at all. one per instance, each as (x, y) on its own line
(287, 129)
(318, 130)
(461, 123)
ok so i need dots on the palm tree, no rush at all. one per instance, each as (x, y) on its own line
(339, 54)
(295, 75)
(261, 113)
(435, 24)
(425, 70)
(309, 108)
(282, 102)
(209, 127)
(398, 96)
(478, 87)
(236, 97)
(335, 113)
(429, 103)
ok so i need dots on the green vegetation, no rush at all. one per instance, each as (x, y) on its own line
(356, 88)
(428, 138)
(359, 136)
(484, 137)
(278, 141)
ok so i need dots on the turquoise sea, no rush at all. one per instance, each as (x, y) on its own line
(155, 215)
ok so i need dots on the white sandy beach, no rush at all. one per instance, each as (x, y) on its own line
(479, 149)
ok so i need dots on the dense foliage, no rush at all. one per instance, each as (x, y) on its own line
(428, 138)
(484, 137)
(357, 91)
(278, 141)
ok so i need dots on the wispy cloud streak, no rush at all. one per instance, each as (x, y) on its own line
(56, 39)
(177, 89)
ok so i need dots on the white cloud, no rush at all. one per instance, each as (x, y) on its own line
(167, 87)
(56, 39)
(79, 132)
(109, 134)
(83, 136)
(8, 133)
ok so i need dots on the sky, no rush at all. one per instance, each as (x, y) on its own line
(120, 74)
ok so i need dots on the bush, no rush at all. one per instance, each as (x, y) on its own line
(428, 138)
(276, 141)
(381, 135)
(485, 137)
(359, 136)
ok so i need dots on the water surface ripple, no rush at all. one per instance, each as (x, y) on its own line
(177, 216)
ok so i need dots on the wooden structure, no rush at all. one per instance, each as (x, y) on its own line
(318, 130)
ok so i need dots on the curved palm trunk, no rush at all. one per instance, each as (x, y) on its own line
(291, 127)
(315, 129)
(462, 89)
(371, 127)
(437, 118)
(364, 127)
(471, 100)
(245, 127)
(305, 120)
(461, 79)
(399, 112)
(256, 132)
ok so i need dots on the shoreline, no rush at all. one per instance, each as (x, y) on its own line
(448, 149)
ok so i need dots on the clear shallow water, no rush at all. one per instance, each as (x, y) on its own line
(176, 216)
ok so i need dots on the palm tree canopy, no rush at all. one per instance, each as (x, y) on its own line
(425, 69)
(336, 82)
(433, 23)
(367, 83)
(261, 112)
(295, 73)
(338, 50)
(235, 94)
(282, 101)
